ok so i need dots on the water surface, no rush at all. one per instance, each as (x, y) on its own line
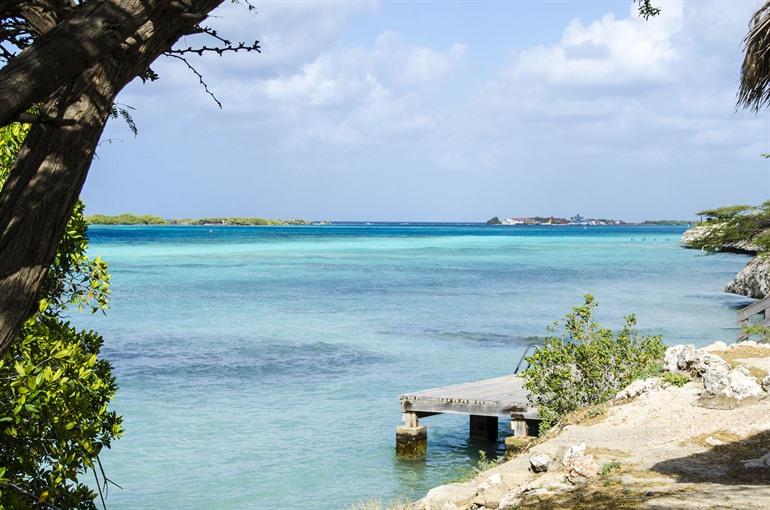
(259, 367)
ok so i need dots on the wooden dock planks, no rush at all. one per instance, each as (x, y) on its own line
(501, 396)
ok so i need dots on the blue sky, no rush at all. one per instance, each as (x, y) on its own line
(446, 111)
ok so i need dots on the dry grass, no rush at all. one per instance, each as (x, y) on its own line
(587, 416)
(724, 436)
(734, 358)
(742, 352)
(608, 452)
(601, 494)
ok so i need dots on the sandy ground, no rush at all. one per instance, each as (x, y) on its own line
(660, 450)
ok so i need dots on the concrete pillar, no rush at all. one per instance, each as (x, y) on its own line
(411, 438)
(519, 426)
(483, 427)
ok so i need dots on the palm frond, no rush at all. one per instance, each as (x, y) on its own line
(754, 92)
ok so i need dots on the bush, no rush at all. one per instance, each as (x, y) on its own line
(587, 364)
(733, 225)
(54, 400)
(676, 379)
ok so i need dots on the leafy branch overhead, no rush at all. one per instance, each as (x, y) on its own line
(65, 62)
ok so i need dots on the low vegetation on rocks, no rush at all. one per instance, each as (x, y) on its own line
(585, 363)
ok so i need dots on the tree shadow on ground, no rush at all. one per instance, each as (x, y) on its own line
(723, 464)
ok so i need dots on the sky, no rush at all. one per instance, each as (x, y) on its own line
(445, 111)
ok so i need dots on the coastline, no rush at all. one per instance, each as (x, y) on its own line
(694, 453)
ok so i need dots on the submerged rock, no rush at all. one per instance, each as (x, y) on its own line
(753, 280)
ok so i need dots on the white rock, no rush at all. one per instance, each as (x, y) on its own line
(581, 469)
(753, 280)
(639, 387)
(438, 497)
(696, 362)
(511, 500)
(766, 383)
(539, 463)
(736, 384)
(762, 462)
(712, 441)
(678, 357)
(716, 346)
(573, 452)
(495, 479)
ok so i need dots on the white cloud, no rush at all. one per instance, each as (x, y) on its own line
(367, 93)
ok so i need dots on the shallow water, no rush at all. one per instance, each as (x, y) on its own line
(260, 366)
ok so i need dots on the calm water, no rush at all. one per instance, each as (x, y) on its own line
(260, 366)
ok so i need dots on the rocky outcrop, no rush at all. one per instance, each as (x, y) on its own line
(724, 387)
(693, 235)
(645, 446)
(753, 280)
(639, 387)
(539, 463)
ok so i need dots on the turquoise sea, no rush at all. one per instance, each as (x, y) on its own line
(259, 367)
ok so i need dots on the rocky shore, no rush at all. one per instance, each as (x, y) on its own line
(704, 444)
(754, 279)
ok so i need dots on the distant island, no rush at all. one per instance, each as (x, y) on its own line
(148, 219)
(575, 220)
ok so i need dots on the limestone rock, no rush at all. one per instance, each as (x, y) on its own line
(696, 362)
(490, 492)
(438, 498)
(766, 383)
(639, 387)
(716, 346)
(731, 389)
(762, 463)
(691, 236)
(511, 500)
(753, 280)
(546, 485)
(573, 452)
(539, 463)
(582, 469)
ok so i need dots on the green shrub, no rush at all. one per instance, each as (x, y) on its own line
(54, 399)
(676, 379)
(735, 224)
(587, 364)
(757, 331)
(611, 467)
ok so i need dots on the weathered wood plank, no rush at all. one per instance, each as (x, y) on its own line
(500, 396)
(760, 306)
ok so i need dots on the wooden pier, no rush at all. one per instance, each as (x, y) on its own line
(761, 307)
(484, 401)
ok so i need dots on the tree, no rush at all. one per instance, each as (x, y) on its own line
(754, 92)
(54, 403)
(75, 57)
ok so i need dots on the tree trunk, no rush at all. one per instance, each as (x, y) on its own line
(60, 55)
(52, 165)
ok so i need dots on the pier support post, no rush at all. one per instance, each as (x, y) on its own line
(411, 438)
(483, 427)
(519, 426)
